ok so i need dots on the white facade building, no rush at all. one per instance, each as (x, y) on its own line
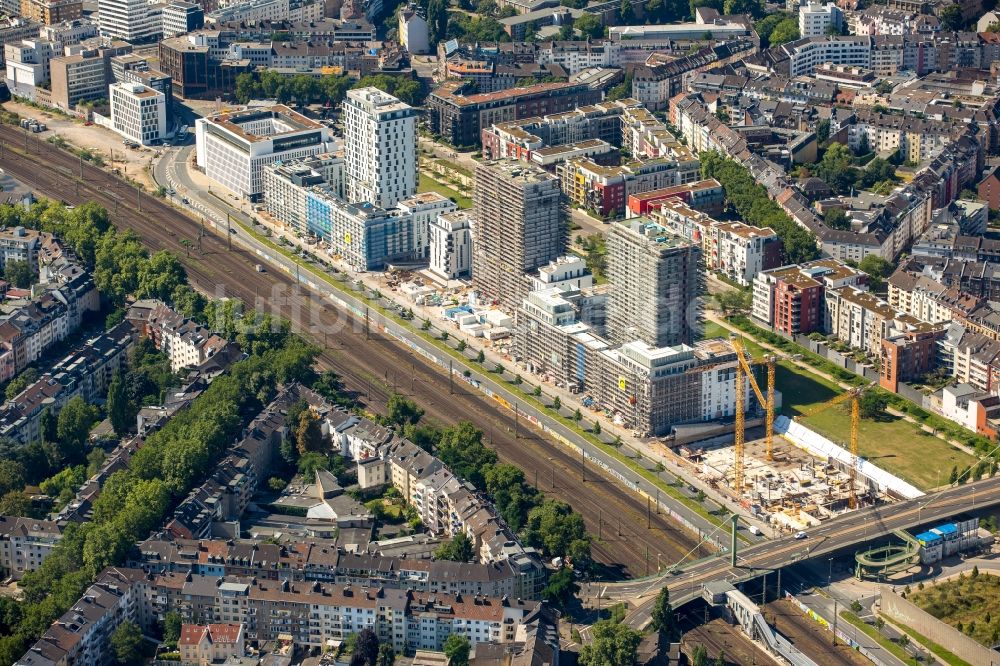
(131, 20)
(425, 208)
(815, 19)
(451, 245)
(234, 147)
(413, 31)
(28, 65)
(138, 113)
(380, 148)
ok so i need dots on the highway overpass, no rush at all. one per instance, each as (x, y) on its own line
(845, 531)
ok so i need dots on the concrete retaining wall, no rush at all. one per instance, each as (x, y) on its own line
(900, 610)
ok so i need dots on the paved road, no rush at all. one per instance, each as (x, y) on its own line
(172, 170)
(836, 534)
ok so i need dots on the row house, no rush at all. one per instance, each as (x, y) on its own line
(320, 560)
(737, 250)
(225, 495)
(82, 635)
(315, 615)
(186, 342)
(25, 543)
(86, 372)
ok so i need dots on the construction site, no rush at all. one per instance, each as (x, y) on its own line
(791, 487)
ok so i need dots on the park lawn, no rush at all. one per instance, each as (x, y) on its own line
(427, 184)
(964, 603)
(895, 445)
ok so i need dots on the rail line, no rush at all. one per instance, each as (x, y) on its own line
(370, 366)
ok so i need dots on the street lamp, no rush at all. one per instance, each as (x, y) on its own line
(829, 575)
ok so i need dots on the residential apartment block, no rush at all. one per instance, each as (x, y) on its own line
(185, 342)
(658, 285)
(380, 144)
(518, 228)
(25, 543)
(790, 299)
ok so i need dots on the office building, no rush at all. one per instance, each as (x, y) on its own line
(138, 113)
(84, 72)
(518, 229)
(180, 17)
(657, 283)
(286, 185)
(50, 12)
(198, 65)
(451, 245)
(380, 147)
(234, 147)
(817, 19)
(131, 20)
(68, 33)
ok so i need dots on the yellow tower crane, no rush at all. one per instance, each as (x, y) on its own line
(743, 367)
(854, 395)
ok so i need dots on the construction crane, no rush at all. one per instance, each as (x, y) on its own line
(743, 367)
(854, 395)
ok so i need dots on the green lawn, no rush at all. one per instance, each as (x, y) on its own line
(429, 185)
(897, 446)
(877, 636)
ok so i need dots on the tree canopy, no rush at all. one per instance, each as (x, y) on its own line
(612, 644)
(750, 200)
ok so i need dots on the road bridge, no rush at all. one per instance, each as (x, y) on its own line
(845, 531)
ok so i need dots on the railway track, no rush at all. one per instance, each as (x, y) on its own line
(810, 637)
(371, 366)
(719, 637)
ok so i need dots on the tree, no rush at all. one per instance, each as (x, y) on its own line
(836, 218)
(597, 428)
(556, 403)
(172, 623)
(312, 461)
(662, 616)
(872, 404)
(699, 656)
(386, 655)
(877, 268)
(951, 18)
(480, 357)
(73, 427)
(402, 411)
(835, 168)
(15, 503)
(365, 649)
(461, 448)
(589, 26)
(160, 276)
(126, 642)
(625, 11)
(457, 549)
(457, 649)
(823, 130)
(553, 526)
(511, 496)
(765, 26)
(308, 434)
(561, 587)
(11, 476)
(117, 405)
(755, 8)
(27, 377)
(18, 273)
(786, 31)
(612, 644)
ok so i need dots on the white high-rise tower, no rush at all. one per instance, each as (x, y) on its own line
(380, 148)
